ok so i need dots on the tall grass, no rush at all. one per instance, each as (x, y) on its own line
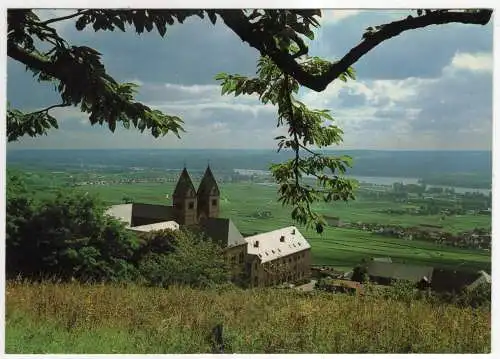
(78, 318)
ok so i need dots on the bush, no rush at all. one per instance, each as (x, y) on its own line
(192, 260)
(360, 274)
(402, 290)
(67, 237)
(477, 297)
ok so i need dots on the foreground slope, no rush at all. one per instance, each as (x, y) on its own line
(73, 318)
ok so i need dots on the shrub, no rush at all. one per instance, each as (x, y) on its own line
(192, 260)
(360, 274)
(477, 297)
(65, 237)
(402, 290)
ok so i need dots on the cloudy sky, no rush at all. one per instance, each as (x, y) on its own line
(426, 89)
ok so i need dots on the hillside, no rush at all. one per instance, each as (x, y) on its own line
(74, 318)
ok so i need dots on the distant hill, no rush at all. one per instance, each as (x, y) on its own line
(416, 164)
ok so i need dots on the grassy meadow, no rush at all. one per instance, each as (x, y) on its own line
(77, 318)
(339, 247)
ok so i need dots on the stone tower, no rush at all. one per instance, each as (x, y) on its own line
(184, 200)
(208, 196)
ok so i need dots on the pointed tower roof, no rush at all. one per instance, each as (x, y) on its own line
(184, 184)
(208, 183)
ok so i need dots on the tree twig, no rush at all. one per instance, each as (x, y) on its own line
(49, 108)
(56, 19)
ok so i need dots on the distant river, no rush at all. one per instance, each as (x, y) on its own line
(387, 181)
(383, 181)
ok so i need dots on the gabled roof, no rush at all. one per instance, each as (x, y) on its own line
(275, 244)
(222, 231)
(399, 271)
(184, 185)
(153, 211)
(208, 184)
(122, 212)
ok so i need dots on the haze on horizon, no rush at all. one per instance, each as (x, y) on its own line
(428, 89)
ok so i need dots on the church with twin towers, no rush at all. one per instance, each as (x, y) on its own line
(255, 258)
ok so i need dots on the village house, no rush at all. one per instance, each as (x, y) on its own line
(383, 271)
(264, 259)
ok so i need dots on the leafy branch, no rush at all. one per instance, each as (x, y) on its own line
(32, 124)
(306, 128)
(264, 41)
(81, 79)
(67, 17)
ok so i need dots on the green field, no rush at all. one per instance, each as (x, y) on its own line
(339, 247)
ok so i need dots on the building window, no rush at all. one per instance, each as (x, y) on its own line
(214, 202)
(241, 258)
(191, 205)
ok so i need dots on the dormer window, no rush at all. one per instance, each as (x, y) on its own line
(282, 238)
(191, 205)
(214, 202)
(293, 231)
(256, 244)
(272, 250)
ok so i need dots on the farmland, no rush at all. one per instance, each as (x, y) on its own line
(250, 200)
(245, 203)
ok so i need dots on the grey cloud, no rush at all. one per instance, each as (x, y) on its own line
(456, 103)
(391, 113)
(419, 53)
(190, 53)
(24, 92)
(348, 99)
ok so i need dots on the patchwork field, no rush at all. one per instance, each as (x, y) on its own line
(254, 208)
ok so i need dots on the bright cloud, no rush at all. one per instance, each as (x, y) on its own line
(473, 62)
(335, 16)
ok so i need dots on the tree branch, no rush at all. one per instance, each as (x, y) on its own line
(50, 21)
(262, 41)
(17, 53)
(50, 108)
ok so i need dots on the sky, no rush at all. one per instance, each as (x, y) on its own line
(426, 89)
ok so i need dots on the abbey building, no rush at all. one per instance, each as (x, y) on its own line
(278, 256)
